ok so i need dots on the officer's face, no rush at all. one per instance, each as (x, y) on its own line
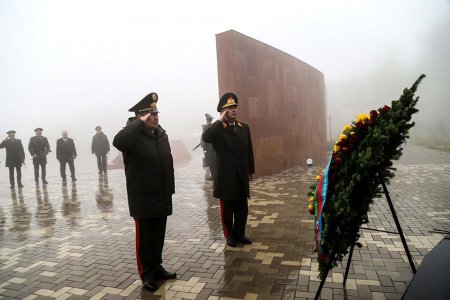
(153, 121)
(231, 114)
(11, 135)
(38, 133)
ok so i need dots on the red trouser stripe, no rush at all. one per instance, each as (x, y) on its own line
(224, 227)
(139, 262)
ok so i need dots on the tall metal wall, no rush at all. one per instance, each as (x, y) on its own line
(280, 97)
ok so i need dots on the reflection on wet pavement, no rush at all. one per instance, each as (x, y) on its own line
(76, 239)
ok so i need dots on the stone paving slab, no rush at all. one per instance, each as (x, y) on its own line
(76, 241)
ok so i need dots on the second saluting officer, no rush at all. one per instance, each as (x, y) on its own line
(234, 168)
(15, 157)
(150, 185)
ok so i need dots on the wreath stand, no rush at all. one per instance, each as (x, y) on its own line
(400, 232)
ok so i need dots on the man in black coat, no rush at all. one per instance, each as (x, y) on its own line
(39, 148)
(65, 154)
(208, 149)
(100, 147)
(234, 168)
(15, 157)
(150, 184)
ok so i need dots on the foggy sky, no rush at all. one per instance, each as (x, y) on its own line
(73, 65)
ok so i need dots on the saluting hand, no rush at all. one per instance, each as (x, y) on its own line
(144, 117)
(223, 114)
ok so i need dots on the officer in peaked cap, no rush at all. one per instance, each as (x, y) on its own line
(227, 100)
(100, 147)
(234, 168)
(147, 104)
(39, 147)
(15, 157)
(150, 185)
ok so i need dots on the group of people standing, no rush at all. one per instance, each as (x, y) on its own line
(39, 148)
(150, 179)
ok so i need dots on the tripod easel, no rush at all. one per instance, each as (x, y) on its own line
(400, 232)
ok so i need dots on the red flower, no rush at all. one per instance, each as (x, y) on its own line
(361, 125)
(385, 109)
(373, 114)
(353, 140)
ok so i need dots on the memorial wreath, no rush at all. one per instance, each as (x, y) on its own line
(362, 156)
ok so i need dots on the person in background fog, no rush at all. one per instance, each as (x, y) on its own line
(39, 148)
(15, 157)
(208, 149)
(100, 147)
(65, 154)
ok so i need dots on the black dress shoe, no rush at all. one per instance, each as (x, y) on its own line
(163, 274)
(44, 181)
(244, 240)
(20, 185)
(231, 242)
(149, 285)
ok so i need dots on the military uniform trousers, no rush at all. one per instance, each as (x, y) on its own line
(19, 175)
(150, 234)
(36, 163)
(101, 162)
(234, 213)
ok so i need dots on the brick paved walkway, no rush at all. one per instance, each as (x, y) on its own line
(76, 241)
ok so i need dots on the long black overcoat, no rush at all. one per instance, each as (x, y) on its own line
(234, 159)
(148, 169)
(15, 155)
(39, 145)
(100, 144)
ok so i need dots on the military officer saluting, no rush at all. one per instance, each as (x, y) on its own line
(150, 184)
(15, 157)
(234, 168)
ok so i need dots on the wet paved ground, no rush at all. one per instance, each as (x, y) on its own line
(76, 241)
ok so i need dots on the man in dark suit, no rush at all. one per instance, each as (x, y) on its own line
(15, 157)
(100, 147)
(150, 185)
(65, 154)
(234, 168)
(39, 148)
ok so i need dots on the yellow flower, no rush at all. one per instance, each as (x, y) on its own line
(336, 148)
(311, 199)
(343, 137)
(318, 177)
(362, 117)
(347, 127)
(352, 133)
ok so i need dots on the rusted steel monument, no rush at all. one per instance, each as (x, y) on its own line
(280, 97)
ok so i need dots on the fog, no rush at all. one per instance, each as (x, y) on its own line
(73, 65)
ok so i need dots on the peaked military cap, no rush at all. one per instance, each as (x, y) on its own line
(147, 104)
(98, 128)
(11, 131)
(208, 116)
(227, 100)
(37, 129)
